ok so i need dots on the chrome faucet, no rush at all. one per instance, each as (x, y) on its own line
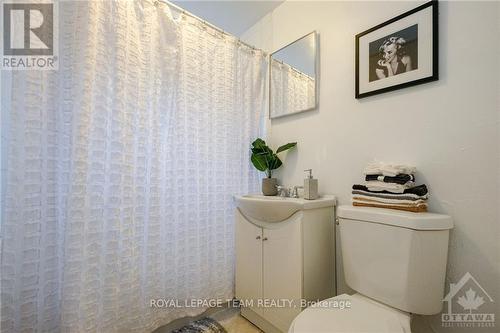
(282, 191)
(295, 192)
(290, 192)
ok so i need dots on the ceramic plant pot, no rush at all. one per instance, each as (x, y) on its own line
(269, 186)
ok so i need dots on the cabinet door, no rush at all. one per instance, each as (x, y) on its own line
(282, 272)
(248, 262)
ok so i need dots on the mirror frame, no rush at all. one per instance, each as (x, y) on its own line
(316, 74)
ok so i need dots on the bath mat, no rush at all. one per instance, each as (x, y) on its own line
(203, 325)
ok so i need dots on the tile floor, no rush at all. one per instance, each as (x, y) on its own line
(233, 322)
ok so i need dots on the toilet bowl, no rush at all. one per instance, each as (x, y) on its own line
(363, 315)
(395, 261)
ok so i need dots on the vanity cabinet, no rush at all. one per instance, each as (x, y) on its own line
(281, 265)
(249, 263)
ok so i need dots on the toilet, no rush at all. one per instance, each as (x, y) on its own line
(396, 263)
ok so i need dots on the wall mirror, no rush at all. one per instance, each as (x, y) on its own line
(293, 85)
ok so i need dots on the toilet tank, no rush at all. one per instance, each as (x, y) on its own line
(395, 257)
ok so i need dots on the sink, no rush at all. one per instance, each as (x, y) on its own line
(277, 209)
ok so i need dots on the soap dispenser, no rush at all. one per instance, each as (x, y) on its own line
(310, 186)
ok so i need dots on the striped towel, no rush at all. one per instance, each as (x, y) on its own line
(404, 196)
(420, 190)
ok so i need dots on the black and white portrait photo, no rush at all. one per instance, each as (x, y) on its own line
(398, 53)
(394, 54)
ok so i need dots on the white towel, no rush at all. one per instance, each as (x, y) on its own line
(388, 169)
(376, 185)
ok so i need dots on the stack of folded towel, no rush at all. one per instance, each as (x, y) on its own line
(390, 186)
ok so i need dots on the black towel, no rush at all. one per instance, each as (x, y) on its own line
(418, 190)
(402, 178)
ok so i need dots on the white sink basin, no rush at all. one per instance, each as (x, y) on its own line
(277, 209)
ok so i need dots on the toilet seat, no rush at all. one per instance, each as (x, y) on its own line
(364, 315)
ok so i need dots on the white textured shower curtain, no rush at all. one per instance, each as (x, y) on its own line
(121, 168)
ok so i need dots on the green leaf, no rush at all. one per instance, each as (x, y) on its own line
(258, 151)
(259, 162)
(286, 147)
(275, 162)
(260, 147)
(259, 143)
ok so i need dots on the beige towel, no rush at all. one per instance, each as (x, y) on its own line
(395, 202)
(418, 209)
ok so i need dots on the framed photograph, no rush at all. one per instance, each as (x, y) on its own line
(399, 53)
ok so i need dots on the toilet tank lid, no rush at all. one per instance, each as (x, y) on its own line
(416, 221)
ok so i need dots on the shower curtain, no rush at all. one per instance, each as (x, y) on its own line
(120, 169)
(292, 89)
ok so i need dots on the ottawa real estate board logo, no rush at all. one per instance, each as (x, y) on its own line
(29, 35)
(468, 305)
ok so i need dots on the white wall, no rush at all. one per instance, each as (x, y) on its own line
(5, 91)
(449, 129)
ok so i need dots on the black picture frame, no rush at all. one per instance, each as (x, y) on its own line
(433, 73)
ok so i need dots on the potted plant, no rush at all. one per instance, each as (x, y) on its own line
(264, 159)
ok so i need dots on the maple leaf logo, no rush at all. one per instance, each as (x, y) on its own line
(470, 301)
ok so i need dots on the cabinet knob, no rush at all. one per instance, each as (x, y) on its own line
(258, 237)
(264, 239)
